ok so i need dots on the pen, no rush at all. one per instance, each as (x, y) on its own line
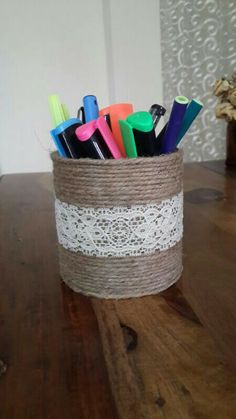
(191, 113)
(157, 111)
(89, 111)
(116, 112)
(174, 124)
(97, 140)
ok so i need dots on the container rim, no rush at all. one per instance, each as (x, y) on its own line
(162, 158)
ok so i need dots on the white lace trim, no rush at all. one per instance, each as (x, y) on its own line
(120, 231)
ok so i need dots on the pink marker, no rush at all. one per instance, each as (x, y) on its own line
(97, 140)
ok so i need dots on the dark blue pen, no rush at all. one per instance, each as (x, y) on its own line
(174, 124)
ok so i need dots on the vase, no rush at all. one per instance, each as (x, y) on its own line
(231, 144)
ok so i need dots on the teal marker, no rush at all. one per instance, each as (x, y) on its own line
(191, 113)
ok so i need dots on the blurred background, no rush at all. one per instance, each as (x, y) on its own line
(136, 51)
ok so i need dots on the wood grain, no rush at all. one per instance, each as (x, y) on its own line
(175, 370)
(68, 356)
(48, 335)
(209, 278)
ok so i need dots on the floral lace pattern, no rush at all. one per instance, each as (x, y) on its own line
(120, 231)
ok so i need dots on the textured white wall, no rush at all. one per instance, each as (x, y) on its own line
(70, 47)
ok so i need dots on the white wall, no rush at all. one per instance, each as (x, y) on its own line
(72, 48)
(135, 52)
(47, 46)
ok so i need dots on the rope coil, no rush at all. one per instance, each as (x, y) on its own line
(119, 183)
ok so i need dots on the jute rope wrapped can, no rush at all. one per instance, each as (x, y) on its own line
(119, 224)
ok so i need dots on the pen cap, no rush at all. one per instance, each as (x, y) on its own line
(59, 146)
(128, 139)
(97, 138)
(65, 139)
(143, 131)
(91, 110)
(118, 111)
(84, 132)
(91, 140)
(108, 137)
(141, 121)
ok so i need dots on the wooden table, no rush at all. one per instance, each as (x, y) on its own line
(68, 356)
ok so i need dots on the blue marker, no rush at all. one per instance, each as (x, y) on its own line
(191, 113)
(65, 139)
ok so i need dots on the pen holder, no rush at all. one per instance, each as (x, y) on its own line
(119, 224)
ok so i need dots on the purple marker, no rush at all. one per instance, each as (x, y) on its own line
(174, 124)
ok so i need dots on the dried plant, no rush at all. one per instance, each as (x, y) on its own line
(226, 91)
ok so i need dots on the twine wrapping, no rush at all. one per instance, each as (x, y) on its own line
(122, 183)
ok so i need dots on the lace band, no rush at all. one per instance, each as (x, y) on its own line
(120, 231)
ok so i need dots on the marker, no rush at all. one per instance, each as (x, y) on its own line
(191, 113)
(159, 140)
(128, 139)
(144, 134)
(138, 134)
(56, 110)
(174, 124)
(157, 111)
(66, 141)
(116, 112)
(97, 140)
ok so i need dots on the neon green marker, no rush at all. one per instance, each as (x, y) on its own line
(56, 110)
(138, 134)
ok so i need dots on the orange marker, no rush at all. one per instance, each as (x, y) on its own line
(116, 112)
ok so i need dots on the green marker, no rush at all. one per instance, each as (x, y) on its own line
(128, 139)
(138, 134)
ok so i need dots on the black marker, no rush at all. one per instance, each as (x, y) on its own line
(65, 139)
(97, 140)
